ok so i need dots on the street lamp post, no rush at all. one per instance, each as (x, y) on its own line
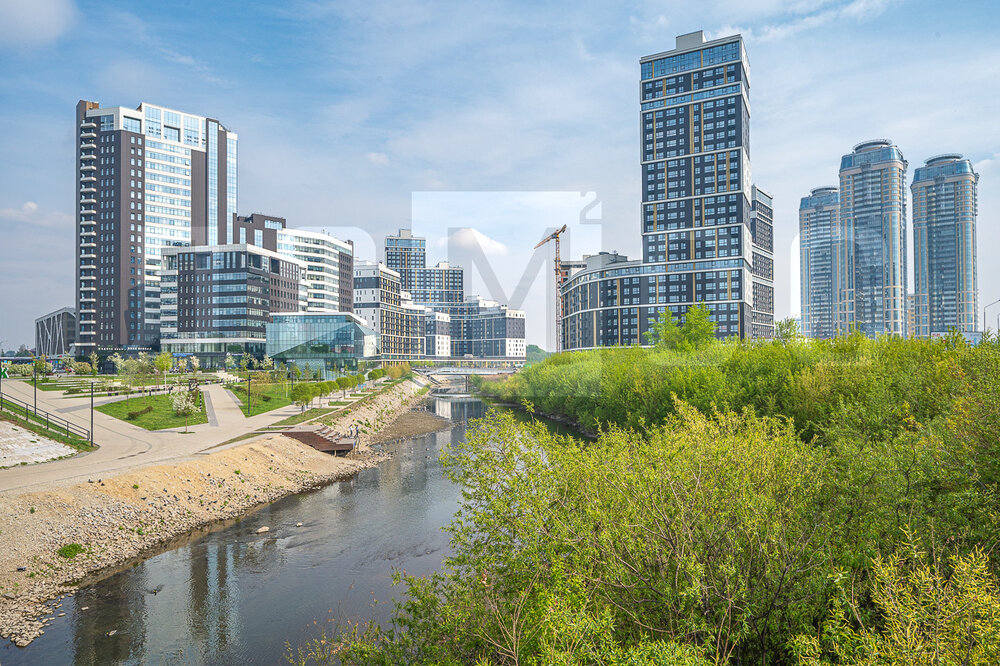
(34, 381)
(91, 413)
(248, 394)
(984, 314)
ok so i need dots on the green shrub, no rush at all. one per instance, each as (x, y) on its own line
(70, 550)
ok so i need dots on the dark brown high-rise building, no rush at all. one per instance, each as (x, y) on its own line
(148, 179)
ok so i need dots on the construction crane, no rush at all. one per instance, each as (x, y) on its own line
(554, 236)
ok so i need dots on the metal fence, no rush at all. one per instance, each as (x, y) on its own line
(51, 422)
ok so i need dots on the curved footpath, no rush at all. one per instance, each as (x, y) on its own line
(142, 489)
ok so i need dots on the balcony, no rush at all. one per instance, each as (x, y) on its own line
(88, 146)
(87, 311)
(89, 211)
(88, 188)
(88, 277)
(86, 124)
(88, 167)
(88, 256)
(87, 332)
(88, 288)
(88, 243)
(88, 223)
(88, 157)
(89, 179)
(88, 134)
(87, 202)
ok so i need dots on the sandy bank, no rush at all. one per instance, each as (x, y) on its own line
(122, 518)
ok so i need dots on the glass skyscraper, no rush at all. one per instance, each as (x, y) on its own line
(944, 239)
(706, 230)
(870, 247)
(819, 217)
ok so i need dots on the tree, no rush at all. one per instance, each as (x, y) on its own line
(93, 362)
(182, 363)
(302, 395)
(786, 330)
(163, 363)
(230, 362)
(195, 364)
(185, 404)
(663, 331)
(297, 372)
(244, 361)
(698, 329)
(344, 383)
(131, 369)
(116, 362)
(267, 363)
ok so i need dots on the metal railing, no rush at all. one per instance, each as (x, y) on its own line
(51, 422)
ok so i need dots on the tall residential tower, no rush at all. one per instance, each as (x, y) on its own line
(870, 262)
(944, 240)
(706, 230)
(148, 179)
(819, 216)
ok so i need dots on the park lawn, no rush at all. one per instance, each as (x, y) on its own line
(162, 416)
(306, 416)
(271, 397)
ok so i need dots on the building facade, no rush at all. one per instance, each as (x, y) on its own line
(379, 302)
(485, 329)
(329, 274)
(870, 263)
(944, 246)
(331, 342)
(434, 286)
(149, 179)
(219, 299)
(404, 250)
(706, 234)
(55, 333)
(819, 217)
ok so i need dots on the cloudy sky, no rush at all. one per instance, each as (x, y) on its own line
(508, 118)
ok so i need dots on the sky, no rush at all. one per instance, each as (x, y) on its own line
(484, 125)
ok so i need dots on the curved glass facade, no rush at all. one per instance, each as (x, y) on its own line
(331, 343)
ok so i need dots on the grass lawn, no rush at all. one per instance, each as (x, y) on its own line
(271, 397)
(306, 415)
(161, 417)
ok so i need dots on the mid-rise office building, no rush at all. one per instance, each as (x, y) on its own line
(219, 299)
(706, 234)
(870, 260)
(55, 333)
(819, 217)
(330, 342)
(944, 246)
(379, 301)
(149, 179)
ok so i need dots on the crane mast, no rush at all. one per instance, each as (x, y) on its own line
(554, 236)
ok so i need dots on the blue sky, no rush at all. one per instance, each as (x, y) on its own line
(359, 117)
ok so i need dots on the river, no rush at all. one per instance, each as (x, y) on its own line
(230, 596)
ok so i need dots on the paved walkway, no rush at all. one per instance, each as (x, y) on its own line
(125, 446)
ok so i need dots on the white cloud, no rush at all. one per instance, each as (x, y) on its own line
(468, 239)
(29, 213)
(378, 158)
(32, 23)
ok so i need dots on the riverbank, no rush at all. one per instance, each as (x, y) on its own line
(118, 520)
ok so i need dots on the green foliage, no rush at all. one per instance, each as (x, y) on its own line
(303, 394)
(786, 330)
(535, 354)
(82, 368)
(70, 550)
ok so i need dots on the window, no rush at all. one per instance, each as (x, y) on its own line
(131, 125)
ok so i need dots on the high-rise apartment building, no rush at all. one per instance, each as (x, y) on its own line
(944, 246)
(434, 286)
(380, 301)
(819, 217)
(870, 259)
(706, 232)
(149, 179)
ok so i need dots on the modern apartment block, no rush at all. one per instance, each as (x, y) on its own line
(435, 286)
(481, 328)
(219, 299)
(819, 217)
(55, 333)
(379, 301)
(149, 179)
(329, 275)
(870, 261)
(437, 332)
(944, 240)
(706, 234)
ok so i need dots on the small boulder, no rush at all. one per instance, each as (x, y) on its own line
(298, 524)
(261, 530)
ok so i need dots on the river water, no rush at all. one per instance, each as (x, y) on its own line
(231, 596)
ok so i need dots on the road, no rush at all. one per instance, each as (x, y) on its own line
(124, 446)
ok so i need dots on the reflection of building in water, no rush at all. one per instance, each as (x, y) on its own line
(459, 408)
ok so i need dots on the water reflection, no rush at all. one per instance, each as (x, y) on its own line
(232, 596)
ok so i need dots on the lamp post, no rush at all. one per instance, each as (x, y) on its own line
(91, 413)
(34, 382)
(984, 314)
(248, 394)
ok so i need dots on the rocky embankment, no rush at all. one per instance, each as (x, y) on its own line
(55, 539)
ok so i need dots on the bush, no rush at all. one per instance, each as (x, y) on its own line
(132, 416)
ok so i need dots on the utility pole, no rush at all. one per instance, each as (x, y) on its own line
(554, 236)
(984, 315)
